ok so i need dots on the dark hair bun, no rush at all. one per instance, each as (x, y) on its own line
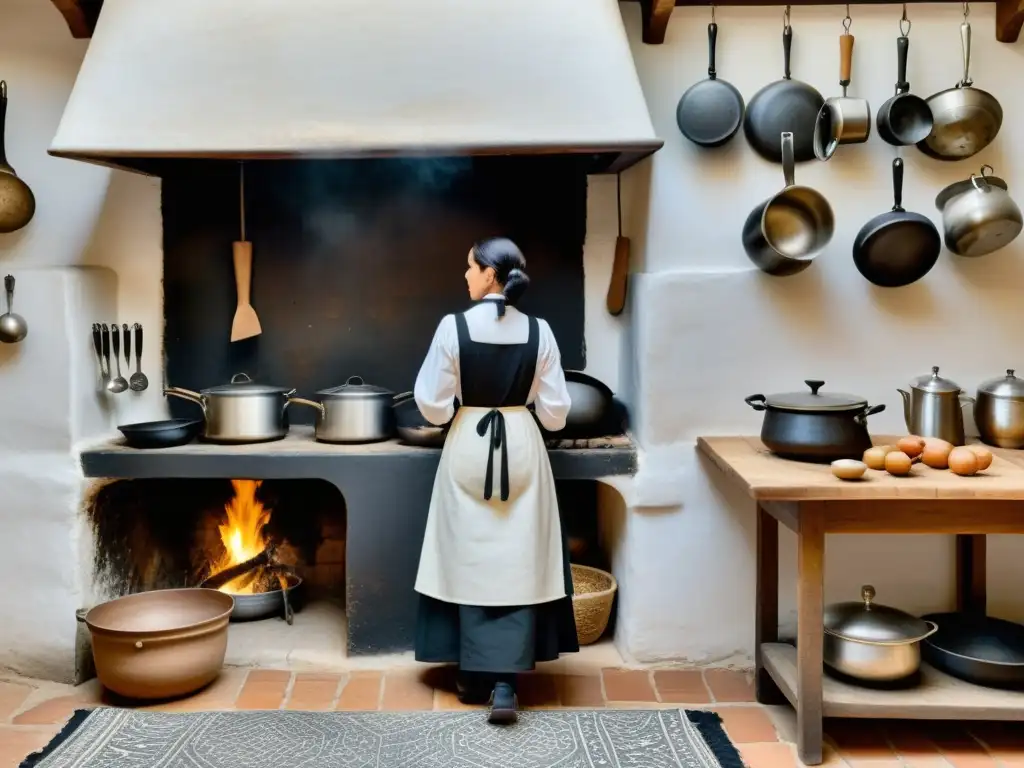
(516, 285)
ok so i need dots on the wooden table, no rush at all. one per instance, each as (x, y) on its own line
(809, 500)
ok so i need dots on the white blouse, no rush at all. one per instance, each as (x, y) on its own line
(438, 384)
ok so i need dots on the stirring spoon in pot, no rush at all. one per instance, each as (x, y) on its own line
(118, 384)
(138, 381)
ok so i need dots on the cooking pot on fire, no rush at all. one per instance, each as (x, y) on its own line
(355, 412)
(242, 411)
(815, 426)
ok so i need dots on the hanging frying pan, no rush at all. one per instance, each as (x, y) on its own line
(710, 112)
(904, 118)
(966, 119)
(898, 247)
(785, 106)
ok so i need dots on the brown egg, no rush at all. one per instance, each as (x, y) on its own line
(898, 463)
(963, 461)
(912, 446)
(984, 456)
(936, 453)
(875, 457)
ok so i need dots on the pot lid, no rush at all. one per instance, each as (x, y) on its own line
(867, 621)
(934, 383)
(356, 387)
(1008, 387)
(242, 384)
(814, 400)
(982, 182)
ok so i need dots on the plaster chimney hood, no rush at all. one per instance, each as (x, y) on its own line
(164, 80)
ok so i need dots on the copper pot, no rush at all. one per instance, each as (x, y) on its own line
(160, 644)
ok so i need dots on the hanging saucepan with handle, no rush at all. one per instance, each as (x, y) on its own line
(814, 426)
(242, 411)
(966, 119)
(710, 112)
(898, 247)
(785, 106)
(17, 203)
(905, 118)
(784, 234)
(978, 215)
(842, 120)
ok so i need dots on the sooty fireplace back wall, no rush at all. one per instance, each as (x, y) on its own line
(355, 262)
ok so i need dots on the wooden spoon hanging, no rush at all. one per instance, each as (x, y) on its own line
(616, 299)
(246, 324)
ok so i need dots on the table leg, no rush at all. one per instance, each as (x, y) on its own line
(971, 568)
(766, 629)
(810, 637)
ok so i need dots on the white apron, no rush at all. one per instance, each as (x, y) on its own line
(493, 553)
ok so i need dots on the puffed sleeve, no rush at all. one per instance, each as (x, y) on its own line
(552, 402)
(437, 382)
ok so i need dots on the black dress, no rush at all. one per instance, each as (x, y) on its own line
(506, 639)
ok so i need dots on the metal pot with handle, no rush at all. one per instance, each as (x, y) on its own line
(978, 215)
(934, 408)
(842, 120)
(999, 411)
(355, 412)
(242, 411)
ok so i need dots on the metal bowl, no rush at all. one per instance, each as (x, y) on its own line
(264, 604)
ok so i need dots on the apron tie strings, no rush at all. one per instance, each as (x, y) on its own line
(495, 421)
(499, 305)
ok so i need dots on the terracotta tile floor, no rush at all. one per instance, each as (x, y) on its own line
(31, 712)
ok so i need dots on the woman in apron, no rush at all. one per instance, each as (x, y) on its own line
(494, 580)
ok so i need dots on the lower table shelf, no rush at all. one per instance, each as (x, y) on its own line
(938, 697)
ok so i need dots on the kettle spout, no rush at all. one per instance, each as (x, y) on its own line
(906, 407)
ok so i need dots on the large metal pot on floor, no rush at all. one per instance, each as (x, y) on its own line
(872, 642)
(242, 411)
(355, 412)
(813, 426)
(160, 644)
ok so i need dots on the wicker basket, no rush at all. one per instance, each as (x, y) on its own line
(593, 594)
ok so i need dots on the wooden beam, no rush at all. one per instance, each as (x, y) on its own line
(656, 14)
(1009, 20)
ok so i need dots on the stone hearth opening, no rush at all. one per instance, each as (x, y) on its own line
(164, 533)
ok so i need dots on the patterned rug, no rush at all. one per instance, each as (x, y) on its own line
(122, 738)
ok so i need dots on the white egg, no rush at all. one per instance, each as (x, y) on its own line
(849, 469)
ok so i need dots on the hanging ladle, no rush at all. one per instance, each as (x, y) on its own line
(13, 327)
(17, 203)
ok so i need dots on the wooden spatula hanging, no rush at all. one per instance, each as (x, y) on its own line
(246, 324)
(616, 299)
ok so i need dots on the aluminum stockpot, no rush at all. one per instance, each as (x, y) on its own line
(872, 642)
(355, 412)
(999, 411)
(978, 215)
(160, 644)
(242, 411)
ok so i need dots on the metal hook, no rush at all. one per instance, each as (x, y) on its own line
(847, 21)
(785, 18)
(967, 10)
(904, 22)
(712, 13)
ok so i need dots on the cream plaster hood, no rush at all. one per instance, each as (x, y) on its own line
(250, 79)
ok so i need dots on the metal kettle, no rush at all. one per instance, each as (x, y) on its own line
(934, 408)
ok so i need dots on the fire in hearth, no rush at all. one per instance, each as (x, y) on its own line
(242, 538)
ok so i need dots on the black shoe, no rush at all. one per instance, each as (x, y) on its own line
(470, 689)
(503, 705)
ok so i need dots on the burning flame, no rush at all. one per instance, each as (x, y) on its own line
(242, 535)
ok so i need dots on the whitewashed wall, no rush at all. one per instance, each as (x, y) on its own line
(709, 329)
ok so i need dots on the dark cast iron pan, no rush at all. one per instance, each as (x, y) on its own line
(710, 112)
(904, 119)
(785, 106)
(979, 649)
(161, 434)
(898, 247)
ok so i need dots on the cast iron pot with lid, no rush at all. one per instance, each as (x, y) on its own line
(815, 426)
(872, 642)
(999, 411)
(242, 411)
(355, 412)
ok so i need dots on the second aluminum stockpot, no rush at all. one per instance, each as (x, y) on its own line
(355, 412)
(242, 411)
